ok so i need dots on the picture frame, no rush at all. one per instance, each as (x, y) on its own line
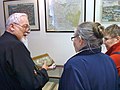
(30, 7)
(107, 11)
(57, 72)
(40, 59)
(64, 15)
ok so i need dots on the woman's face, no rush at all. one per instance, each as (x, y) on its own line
(77, 42)
(110, 41)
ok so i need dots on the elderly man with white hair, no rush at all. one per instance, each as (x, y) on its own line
(17, 70)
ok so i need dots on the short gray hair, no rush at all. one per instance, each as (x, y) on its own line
(14, 18)
(112, 30)
(90, 32)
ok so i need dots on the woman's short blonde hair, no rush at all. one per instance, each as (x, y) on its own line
(112, 30)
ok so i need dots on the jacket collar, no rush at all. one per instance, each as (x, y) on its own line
(89, 51)
(114, 48)
(7, 34)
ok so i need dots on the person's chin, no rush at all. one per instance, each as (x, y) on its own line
(76, 51)
(107, 47)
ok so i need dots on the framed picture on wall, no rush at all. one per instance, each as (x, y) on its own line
(30, 7)
(64, 15)
(107, 11)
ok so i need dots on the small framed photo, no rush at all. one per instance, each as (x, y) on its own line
(64, 15)
(40, 59)
(57, 72)
(30, 7)
(107, 11)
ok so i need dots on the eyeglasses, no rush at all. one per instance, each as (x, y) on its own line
(72, 38)
(25, 26)
(107, 38)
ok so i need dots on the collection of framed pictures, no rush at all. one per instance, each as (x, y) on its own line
(63, 15)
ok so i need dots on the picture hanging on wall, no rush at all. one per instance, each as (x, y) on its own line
(64, 15)
(107, 11)
(30, 7)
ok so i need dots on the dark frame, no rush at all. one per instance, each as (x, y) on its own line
(30, 7)
(106, 14)
(53, 30)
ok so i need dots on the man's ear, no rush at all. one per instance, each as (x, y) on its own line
(11, 27)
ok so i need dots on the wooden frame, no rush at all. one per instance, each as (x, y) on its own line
(64, 16)
(106, 11)
(39, 60)
(57, 72)
(30, 7)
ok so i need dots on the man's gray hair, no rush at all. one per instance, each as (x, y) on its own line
(14, 18)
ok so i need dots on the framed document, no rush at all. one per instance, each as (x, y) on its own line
(107, 11)
(40, 59)
(64, 15)
(30, 7)
(57, 72)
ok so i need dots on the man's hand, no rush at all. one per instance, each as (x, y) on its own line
(45, 65)
(53, 66)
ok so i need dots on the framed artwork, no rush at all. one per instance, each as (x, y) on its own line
(39, 60)
(64, 15)
(30, 7)
(107, 11)
(56, 73)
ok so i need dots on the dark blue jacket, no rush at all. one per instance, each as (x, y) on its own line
(89, 71)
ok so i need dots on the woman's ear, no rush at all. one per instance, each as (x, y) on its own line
(118, 38)
(81, 41)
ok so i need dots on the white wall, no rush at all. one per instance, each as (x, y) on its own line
(57, 45)
(2, 23)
